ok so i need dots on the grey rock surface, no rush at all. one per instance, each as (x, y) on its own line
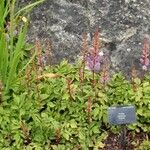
(122, 23)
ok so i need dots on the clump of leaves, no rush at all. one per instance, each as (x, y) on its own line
(145, 145)
(64, 106)
(60, 115)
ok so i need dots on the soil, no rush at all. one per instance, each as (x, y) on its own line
(133, 140)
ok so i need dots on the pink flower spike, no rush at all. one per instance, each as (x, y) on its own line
(145, 55)
(141, 60)
(146, 62)
(93, 60)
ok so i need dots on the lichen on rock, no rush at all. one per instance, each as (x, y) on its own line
(122, 23)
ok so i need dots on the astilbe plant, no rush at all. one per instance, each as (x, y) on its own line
(37, 65)
(105, 76)
(93, 60)
(84, 51)
(28, 76)
(70, 88)
(58, 135)
(48, 53)
(94, 57)
(145, 55)
(89, 109)
(133, 77)
(25, 132)
(39, 56)
(42, 58)
(81, 78)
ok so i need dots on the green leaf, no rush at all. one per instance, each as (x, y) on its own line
(65, 96)
(145, 84)
(81, 135)
(44, 96)
(1, 110)
(66, 135)
(95, 129)
(137, 81)
(73, 124)
(140, 112)
(99, 145)
(51, 104)
(96, 111)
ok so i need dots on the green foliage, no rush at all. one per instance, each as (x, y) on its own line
(52, 114)
(13, 29)
(121, 92)
(145, 145)
(58, 108)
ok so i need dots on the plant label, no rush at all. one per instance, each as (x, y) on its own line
(121, 115)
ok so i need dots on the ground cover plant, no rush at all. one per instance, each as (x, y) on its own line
(64, 107)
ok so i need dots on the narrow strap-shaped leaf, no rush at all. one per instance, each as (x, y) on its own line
(16, 56)
(28, 7)
(3, 58)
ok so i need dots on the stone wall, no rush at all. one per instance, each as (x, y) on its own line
(122, 23)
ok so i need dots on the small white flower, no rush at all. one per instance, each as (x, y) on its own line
(101, 53)
(144, 67)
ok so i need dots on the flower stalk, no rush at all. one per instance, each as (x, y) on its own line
(89, 109)
(40, 59)
(133, 77)
(58, 136)
(105, 72)
(93, 58)
(145, 56)
(70, 88)
(84, 53)
(48, 53)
